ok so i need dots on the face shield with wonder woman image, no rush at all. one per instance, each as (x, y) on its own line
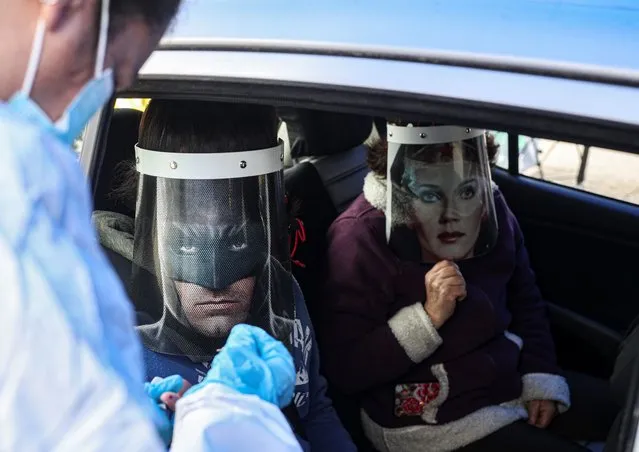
(440, 187)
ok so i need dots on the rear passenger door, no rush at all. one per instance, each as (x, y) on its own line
(577, 207)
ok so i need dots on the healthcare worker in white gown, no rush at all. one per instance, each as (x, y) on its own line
(70, 362)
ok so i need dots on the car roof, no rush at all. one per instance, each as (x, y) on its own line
(602, 33)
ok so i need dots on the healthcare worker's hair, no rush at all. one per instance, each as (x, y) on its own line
(156, 13)
(196, 127)
(377, 151)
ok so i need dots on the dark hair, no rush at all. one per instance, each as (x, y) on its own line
(196, 127)
(376, 157)
(156, 13)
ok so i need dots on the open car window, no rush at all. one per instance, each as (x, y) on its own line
(604, 172)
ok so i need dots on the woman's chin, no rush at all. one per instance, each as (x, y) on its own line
(447, 253)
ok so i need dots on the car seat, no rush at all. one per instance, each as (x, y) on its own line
(329, 174)
(333, 143)
(121, 139)
(120, 147)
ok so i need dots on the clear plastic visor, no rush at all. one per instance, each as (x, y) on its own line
(441, 189)
(214, 248)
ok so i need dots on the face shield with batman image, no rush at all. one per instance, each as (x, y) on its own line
(211, 245)
(440, 187)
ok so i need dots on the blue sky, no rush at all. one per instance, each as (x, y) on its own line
(586, 31)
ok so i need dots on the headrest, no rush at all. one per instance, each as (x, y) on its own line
(120, 147)
(124, 127)
(123, 134)
(316, 133)
(381, 126)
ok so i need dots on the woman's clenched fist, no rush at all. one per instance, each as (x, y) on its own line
(445, 286)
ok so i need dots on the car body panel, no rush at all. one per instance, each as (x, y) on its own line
(554, 95)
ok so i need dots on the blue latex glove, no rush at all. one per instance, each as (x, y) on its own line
(252, 362)
(154, 390)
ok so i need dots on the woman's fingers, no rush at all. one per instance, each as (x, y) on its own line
(445, 268)
(547, 412)
(533, 412)
(541, 412)
(460, 292)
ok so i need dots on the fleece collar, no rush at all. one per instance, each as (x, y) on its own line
(375, 194)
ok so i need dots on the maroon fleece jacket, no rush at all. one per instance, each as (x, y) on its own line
(378, 335)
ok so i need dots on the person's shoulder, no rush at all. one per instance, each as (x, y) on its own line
(360, 208)
(501, 204)
(31, 170)
(506, 219)
(18, 139)
(361, 219)
(17, 134)
(23, 140)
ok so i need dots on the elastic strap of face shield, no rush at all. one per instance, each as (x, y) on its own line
(397, 136)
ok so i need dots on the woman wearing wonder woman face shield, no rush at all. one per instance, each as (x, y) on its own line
(429, 275)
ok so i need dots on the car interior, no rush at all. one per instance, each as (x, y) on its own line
(582, 246)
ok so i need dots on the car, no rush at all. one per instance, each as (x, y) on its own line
(552, 78)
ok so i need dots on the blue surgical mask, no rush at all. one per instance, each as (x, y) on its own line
(86, 103)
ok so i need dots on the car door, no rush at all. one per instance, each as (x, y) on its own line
(577, 206)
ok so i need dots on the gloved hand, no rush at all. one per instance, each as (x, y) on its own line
(163, 416)
(254, 363)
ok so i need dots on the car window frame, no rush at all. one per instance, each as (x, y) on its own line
(94, 143)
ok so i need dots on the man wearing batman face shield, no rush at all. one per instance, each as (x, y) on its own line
(210, 250)
(209, 243)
